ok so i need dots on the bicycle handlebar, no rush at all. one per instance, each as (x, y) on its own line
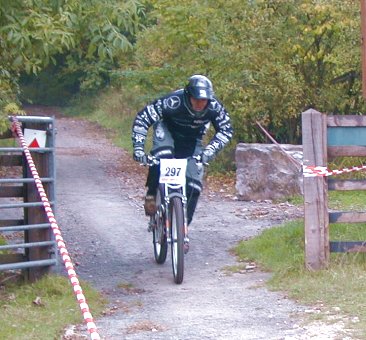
(152, 160)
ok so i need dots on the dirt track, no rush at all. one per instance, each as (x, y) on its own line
(99, 210)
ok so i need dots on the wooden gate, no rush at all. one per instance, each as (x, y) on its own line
(329, 136)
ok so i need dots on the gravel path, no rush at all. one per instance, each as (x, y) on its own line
(99, 210)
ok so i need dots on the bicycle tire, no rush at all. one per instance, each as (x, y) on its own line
(159, 235)
(176, 218)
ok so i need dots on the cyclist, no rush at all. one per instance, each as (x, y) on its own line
(180, 120)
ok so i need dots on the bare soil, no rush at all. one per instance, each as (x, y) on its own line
(100, 192)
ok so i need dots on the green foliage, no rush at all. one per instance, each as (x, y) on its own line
(32, 33)
(269, 61)
(36, 32)
(83, 38)
(9, 109)
(50, 87)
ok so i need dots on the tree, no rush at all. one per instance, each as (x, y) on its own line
(269, 60)
(76, 33)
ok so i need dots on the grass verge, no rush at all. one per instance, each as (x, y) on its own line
(337, 291)
(43, 309)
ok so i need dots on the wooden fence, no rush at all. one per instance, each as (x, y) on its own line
(326, 137)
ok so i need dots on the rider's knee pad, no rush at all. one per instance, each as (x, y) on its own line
(163, 143)
(194, 186)
(163, 152)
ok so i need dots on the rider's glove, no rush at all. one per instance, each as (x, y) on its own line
(207, 156)
(139, 155)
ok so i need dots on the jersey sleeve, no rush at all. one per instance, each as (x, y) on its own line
(224, 130)
(144, 119)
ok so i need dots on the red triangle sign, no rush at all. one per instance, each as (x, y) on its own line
(34, 143)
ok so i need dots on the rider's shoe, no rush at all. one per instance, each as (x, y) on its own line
(150, 205)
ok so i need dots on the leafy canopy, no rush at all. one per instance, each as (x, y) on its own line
(74, 33)
(269, 60)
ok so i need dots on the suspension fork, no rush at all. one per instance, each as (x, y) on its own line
(167, 214)
(185, 219)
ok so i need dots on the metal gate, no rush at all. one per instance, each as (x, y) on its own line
(30, 245)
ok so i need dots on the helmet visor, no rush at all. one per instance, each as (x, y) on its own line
(200, 92)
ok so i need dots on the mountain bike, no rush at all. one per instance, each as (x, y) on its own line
(169, 224)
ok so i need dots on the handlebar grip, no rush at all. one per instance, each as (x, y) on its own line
(152, 160)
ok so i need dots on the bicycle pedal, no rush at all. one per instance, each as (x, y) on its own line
(186, 248)
(150, 227)
(186, 245)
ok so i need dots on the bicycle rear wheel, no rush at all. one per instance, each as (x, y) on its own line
(177, 236)
(159, 234)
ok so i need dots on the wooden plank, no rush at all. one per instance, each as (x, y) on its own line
(11, 191)
(315, 191)
(346, 136)
(346, 185)
(346, 151)
(348, 120)
(11, 160)
(348, 247)
(347, 217)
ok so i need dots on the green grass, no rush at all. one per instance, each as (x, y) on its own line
(280, 250)
(347, 201)
(339, 200)
(22, 318)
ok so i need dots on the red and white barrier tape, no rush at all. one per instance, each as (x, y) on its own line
(88, 318)
(314, 171)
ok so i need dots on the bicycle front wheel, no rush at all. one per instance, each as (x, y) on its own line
(177, 236)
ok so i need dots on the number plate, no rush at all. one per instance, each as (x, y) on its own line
(173, 171)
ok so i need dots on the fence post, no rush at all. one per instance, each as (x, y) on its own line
(36, 215)
(314, 134)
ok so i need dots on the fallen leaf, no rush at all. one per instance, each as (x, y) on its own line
(38, 301)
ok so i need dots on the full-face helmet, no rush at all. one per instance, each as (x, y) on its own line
(198, 87)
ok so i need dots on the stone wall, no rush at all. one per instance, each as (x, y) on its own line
(265, 172)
